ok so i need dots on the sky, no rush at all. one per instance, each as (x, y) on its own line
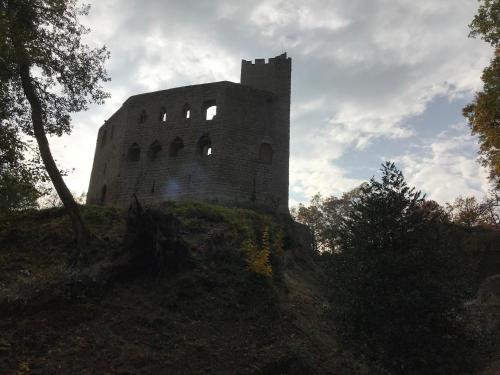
(372, 80)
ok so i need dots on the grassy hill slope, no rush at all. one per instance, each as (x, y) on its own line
(175, 293)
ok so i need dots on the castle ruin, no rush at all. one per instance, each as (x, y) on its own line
(220, 142)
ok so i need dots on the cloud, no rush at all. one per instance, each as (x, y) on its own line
(361, 71)
(445, 167)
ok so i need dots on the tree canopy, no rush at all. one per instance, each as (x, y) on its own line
(398, 284)
(323, 216)
(66, 74)
(486, 22)
(47, 73)
(483, 114)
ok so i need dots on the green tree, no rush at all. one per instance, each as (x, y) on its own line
(312, 216)
(397, 285)
(47, 73)
(469, 212)
(323, 216)
(20, 177)
(486, 22)
(465, 211)
(483, 114)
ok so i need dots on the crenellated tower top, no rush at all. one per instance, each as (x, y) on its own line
(273, 75)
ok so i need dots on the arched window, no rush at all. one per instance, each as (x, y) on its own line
(175, 147)
(186, 111)
(205, 146)
(209, 109)
(102, 198)
(163, 114)
(143, 116)
(266, 153)
(134, 153)
(103, 138)
(154, 150)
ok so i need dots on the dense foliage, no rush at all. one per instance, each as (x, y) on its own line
(486, 22)
(66, 74)
(483, 114)
(470, 212)
(397, 284)
(20, 176)
(323, 216)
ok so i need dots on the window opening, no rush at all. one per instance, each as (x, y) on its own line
(175, 147)
(211, 112)
(186, 111)
(205, 146)
(154, 150)
(210, 109)
(163, 114)
(134, 153)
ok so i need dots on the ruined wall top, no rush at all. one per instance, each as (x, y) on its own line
(271, 61)
(273, 75)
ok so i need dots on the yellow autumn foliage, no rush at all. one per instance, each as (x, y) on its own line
(258, 258)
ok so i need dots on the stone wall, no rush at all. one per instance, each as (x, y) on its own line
(150, 148)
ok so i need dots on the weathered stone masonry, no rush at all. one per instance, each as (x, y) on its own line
(166, 145)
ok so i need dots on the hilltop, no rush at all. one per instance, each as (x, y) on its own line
(198, 308)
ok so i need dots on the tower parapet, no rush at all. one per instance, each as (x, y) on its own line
(273, 76)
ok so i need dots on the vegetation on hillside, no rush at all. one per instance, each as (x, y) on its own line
(400, 272)
(37, 250)
(208, 310)
(399, 284)
(187, 285)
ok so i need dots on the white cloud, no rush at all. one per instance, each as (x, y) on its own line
(270, 16)
(322, 177)
(445, 167)
(197, 60)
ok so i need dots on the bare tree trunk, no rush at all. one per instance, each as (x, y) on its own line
(82, 233)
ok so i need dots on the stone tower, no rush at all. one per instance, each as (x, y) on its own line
(220, 142)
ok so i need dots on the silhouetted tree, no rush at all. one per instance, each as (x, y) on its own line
(46, 73)
(397, 285)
